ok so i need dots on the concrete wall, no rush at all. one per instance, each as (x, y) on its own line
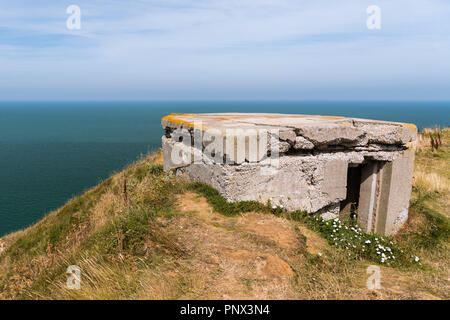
(395, 194)
(369, 195)
(315, 182)
(385, 193)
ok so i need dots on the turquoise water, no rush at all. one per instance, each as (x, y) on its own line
(52, 151)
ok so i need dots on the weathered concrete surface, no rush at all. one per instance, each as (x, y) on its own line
(369, 199)
(314, 155)
(394, 200)
(317, 131)
(308, 182)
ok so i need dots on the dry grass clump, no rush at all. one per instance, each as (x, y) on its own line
(146, 234)
(430, 138)
(100, 278)
(431, 182)
(101, 222)
(432, 168)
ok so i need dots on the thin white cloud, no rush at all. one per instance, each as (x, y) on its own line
(217, 49)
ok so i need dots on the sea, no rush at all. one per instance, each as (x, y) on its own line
(51, 152)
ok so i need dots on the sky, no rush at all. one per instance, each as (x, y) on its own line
(225, 50)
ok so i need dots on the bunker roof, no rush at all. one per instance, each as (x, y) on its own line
(318, 129)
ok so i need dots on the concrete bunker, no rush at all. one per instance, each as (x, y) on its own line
(332, 166)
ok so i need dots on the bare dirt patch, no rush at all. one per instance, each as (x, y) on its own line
(270, 228)
(396, 284)
(191, 202)
(261, 256)
(315, 244)
(225, 255)
(262, 265)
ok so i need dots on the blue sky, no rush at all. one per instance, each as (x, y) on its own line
(224, 49)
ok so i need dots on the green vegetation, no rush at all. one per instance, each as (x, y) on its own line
(39, 237)
(221, 205)
(345, 235)
(356, 244)
(435, 229)
(146, 234)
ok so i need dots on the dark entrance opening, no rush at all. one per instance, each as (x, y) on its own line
(349, 206)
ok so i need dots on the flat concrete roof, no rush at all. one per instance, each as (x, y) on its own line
(316, 128)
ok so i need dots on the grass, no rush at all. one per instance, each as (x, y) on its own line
(345, 235)
(221, 205)
(431, 182)
(132, 239)
(127, 228)
(434, 232)
(358, 245)
(50, 231)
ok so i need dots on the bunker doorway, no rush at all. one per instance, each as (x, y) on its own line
(349, 206)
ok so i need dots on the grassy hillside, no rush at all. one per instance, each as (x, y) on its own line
(143, 234)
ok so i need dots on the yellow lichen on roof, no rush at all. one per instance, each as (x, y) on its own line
(412, 125)
(329, 117)
(174, 117)
(171, 118)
